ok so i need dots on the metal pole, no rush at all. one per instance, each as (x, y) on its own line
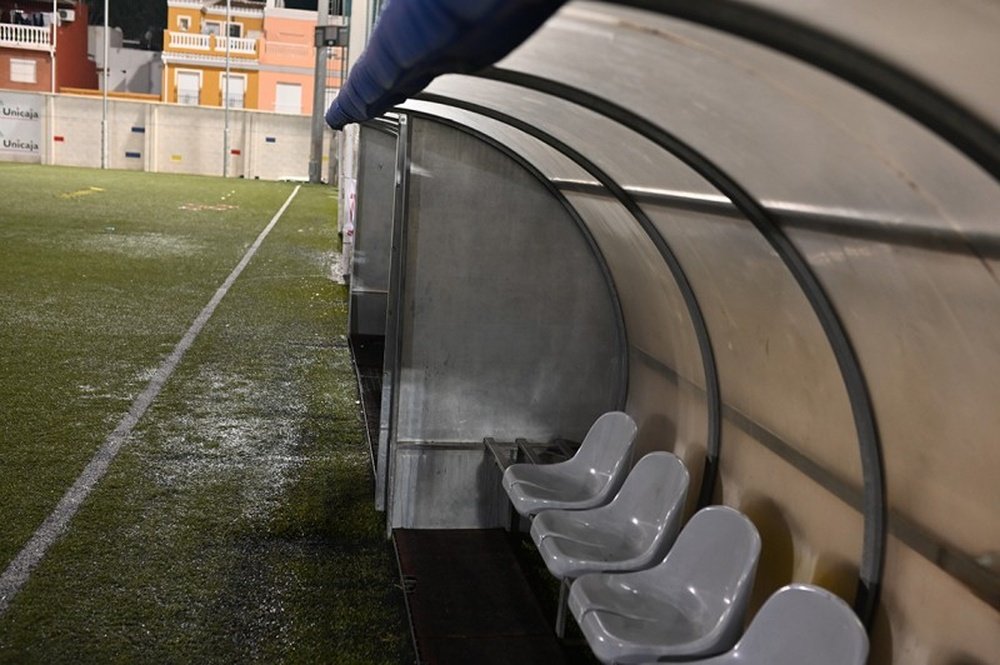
(104, 95)
(55, 39)
(319, 96)
(225, 134)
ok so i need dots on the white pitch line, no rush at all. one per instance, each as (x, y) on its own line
(55, 524)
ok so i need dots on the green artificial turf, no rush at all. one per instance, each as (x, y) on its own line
(237, 523)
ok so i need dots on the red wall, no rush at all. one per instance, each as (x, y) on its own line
(43, 70)
(73, 68)
(43, 67)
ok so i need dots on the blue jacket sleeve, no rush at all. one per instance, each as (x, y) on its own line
(417, 40)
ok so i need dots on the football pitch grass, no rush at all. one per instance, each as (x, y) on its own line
(236, 524)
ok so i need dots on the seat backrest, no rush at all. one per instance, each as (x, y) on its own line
(715, 559)
(606, 452)
(799, 624)
(651, 501)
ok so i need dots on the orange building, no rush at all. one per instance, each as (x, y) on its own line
(271, 55)
(196, 43)
(28, 46)
(288, 61)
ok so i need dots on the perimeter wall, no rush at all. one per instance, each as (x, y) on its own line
(65, 130)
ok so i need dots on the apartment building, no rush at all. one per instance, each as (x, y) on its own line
(271, 55)
(43, 46)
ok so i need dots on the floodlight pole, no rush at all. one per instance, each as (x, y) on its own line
(225, 94)
(319, 95)
(104, 94)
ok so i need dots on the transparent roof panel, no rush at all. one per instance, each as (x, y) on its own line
(952, 45)
(790, 133)
(629, 159)
(551, 164)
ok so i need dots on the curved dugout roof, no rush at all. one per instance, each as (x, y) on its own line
(878, 182)
(918, 36)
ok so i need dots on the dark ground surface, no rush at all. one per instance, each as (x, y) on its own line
(469, 601)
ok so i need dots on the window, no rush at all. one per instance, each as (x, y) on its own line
(188, 88)
(215, 28)
(23, 71)
(184, 23)
(288, 98)
(237, 90)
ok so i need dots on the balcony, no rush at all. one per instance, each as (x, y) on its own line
(239, 45)
(215, 45)
(25, 37)
(187, 41)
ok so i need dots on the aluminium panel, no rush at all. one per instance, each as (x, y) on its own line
(507, 325)
(503, 336)
(373, 232)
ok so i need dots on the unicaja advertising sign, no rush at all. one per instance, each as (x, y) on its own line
(20, 127)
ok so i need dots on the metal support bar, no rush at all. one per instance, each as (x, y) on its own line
(394, 322)
(528, 451)
(563, 607)
(319, 94)
(504, 454)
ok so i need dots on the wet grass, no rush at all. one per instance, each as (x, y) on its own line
(236, 525)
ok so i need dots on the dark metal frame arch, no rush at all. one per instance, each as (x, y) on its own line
(973, 135)
(874, 505)
(383, 125)
(577, 220)
(393, 338)
(710, 369)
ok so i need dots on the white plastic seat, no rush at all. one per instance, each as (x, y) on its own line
(690, 605)
(586, 480)
(632, 532)
(800, 624)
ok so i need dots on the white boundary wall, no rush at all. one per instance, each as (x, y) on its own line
(20, 127)
(167, 138)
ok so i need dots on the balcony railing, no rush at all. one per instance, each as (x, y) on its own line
(25, 36)
(189, 40)
(240, 45)
(214, 44)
